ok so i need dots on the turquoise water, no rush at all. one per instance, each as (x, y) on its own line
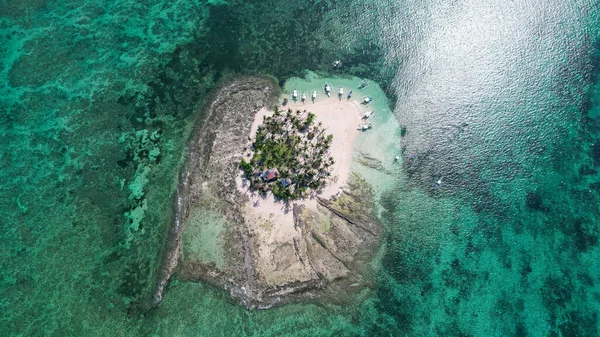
(499, 100)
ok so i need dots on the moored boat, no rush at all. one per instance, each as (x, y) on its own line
(365, 127)
(368, 114)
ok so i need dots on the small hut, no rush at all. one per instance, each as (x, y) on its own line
(270, 175)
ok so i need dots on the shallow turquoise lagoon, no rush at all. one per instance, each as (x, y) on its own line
(499, 102)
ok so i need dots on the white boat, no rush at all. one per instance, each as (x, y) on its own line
(314, 95)
(303, 97)
(365, 127)
(341, 91)
(295, 94)
(368, 114)
(367, 100)
(336, 63)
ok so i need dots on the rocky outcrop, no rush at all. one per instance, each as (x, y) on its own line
(371, 162)
(213, 239)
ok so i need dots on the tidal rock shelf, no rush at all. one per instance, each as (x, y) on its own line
(216, 237)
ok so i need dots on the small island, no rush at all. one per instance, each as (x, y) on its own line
(268, 206)
(290, 155)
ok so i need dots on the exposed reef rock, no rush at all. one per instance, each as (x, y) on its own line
(215, 238)
(371, 162)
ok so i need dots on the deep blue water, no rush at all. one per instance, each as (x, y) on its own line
(499, 100)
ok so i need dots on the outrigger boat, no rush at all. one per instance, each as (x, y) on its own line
(327, 89)
(363, 84)
(365, 127)
(368, 114)
(303, 97)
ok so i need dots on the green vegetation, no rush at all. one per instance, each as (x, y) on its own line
(296, 149)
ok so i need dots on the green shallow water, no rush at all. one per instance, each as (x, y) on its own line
(499, 100)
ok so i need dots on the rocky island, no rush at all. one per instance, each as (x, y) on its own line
(304, 229)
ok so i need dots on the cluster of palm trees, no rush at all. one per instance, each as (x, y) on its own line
(297, 147)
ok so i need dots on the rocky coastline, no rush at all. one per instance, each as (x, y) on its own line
(330, 252)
